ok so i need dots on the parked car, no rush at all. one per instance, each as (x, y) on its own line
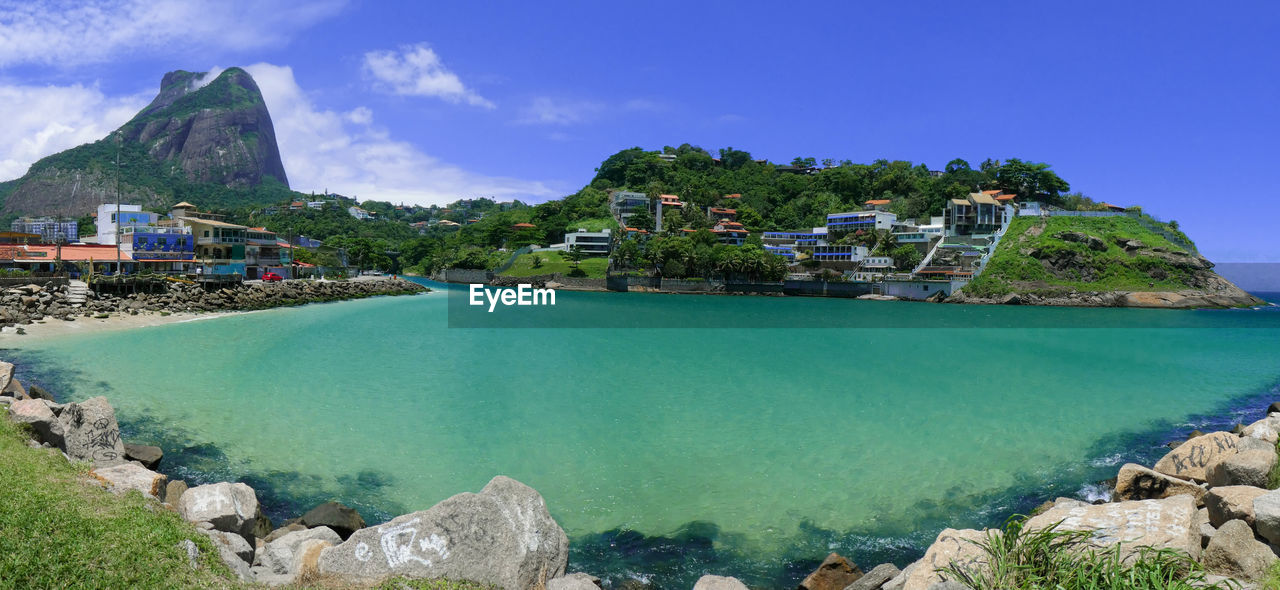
(271, 277)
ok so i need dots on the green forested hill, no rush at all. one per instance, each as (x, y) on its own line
(773, 196)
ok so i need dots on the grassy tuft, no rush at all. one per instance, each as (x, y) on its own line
(1272, 579)
(1065, 560)
(1273, 478)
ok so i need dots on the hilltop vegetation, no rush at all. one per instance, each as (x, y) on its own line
(1060, 254)
(773, 197)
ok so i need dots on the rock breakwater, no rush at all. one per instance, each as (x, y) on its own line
(34, 302)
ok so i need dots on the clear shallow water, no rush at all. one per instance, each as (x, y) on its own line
(668, 453)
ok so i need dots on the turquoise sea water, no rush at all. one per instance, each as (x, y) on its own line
(668, 453)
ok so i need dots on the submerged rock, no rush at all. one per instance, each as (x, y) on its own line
(502, 536)
(149, 456)
(335, 515)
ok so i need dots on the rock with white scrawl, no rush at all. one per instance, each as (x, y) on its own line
(503, 536)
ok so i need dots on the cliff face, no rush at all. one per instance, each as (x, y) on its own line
(189, 141)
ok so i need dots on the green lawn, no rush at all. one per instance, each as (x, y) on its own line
(554, 262)
(57, 532)
(1014, 268)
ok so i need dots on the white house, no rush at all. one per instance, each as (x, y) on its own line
(128, 216)
(589, 242)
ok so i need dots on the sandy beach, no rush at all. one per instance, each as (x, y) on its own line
(55, 328)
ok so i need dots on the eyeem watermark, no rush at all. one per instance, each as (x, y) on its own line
(522, 294)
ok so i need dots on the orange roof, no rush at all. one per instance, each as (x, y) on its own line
(669, 197)
(297, 204)
(725, 211)
(1005, 197)
(991, 192)
(877, 202)
(734, 196)
(99, 252)
(524, 225)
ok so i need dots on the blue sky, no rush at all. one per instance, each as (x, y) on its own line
(1173, 106)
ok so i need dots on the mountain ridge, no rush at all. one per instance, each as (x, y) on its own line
(211, 144)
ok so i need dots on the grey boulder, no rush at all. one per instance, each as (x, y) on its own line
(1168, 523)
(877, 577)
(147, 455)
(1230, 503)
(280, 556)
(1234, 552)
(1246, 468)
(581, 581)
(1266, 515)
(710, 582)
(342, 519)
(1190, 459)
(1135, 482)
(123, 477)
(233, 543)
(6, 374)
(502, 536)
(229, 507)
(35, 413)
(91, 433)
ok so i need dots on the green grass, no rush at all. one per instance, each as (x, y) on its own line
(1064, 560)
(1013, 269)
(594, 224)
(55, 531)
(1272, 579)
(555, 262)
(1273, 478)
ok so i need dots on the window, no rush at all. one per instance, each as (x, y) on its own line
(206, 233)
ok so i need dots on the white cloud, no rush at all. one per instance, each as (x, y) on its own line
(416, 70)
(76, 32)
(42, 120)
(545, 110)
(344, 152)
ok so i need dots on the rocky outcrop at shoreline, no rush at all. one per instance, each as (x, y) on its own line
(30, 303)
(1190, 299)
